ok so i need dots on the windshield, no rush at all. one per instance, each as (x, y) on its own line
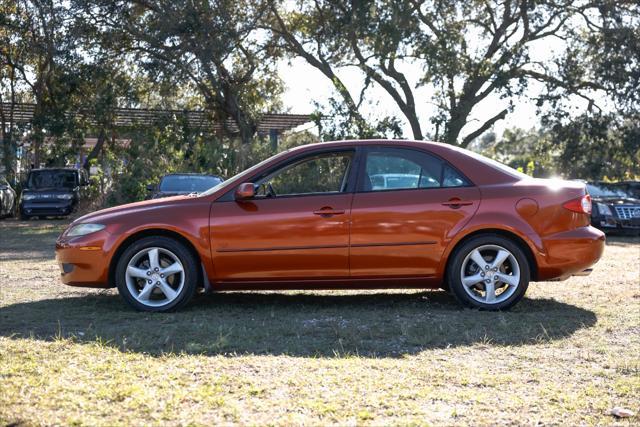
(606, 190)
(189, 183)
(40, 179)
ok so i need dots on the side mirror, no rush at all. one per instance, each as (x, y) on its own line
(151, 187)
(245, 191)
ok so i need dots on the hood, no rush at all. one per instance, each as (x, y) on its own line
(171, 193)
(109, 214)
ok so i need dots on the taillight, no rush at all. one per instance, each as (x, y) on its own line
(580, 205)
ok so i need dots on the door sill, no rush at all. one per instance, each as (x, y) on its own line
(330, 284)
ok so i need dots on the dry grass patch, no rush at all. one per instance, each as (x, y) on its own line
(566, 354)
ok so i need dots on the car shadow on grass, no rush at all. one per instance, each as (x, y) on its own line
(297, 324)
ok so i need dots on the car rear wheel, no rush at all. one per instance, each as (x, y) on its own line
(156, 274)
(489, 272)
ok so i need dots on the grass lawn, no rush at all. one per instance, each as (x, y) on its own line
(567, 354)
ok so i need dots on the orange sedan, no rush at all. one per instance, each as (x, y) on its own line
(343, 215)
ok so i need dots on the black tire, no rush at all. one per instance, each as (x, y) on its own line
(460, 254)
(24, 216)
(185, 256)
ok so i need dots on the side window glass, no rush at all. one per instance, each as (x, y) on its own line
(324, 173)
(452, 178)
(395, 169)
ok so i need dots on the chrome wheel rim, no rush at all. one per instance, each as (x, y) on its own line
(490, 274)
(155, 276)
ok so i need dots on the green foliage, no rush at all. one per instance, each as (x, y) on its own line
(531, 152)
(152, 153)
(77, 61)
(467, 54)
(598, 146)
(591, 147)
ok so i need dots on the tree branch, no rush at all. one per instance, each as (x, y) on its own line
(476, 133)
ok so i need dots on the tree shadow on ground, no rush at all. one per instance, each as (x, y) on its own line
(380, 324)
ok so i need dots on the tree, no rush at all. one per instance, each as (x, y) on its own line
(598, 146)
(467, 52)
(214, 45)
(39, 60)
(531, 151)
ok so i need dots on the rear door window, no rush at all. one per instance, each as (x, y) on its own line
(401, 169)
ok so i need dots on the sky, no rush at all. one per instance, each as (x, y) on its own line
(305, 84)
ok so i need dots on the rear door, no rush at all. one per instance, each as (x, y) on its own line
(408, 206)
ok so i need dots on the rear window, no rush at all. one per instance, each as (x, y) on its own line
(495, 164)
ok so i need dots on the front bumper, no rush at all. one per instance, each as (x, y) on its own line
(610, 223)
(570, 253)
(48, 207)
(84, 260)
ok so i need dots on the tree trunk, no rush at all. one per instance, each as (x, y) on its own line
(6, 123)
(95, 151)
(8, 151)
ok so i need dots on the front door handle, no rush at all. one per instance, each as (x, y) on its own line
(328, 211)
(455, 203)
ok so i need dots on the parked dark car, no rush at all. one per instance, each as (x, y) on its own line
(7, 198)
(615, 208)
(176, 184)
(52, 192)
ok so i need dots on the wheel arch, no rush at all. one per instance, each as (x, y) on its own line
(153, 232)
(518, 240)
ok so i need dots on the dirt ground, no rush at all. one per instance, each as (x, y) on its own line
(567, 354)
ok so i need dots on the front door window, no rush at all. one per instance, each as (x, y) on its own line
(320, 174)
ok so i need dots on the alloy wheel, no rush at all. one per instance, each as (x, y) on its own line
(490, 274)
(155, 276)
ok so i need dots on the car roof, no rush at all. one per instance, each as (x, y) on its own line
(54, 169)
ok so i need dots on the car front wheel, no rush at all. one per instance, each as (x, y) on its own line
(156, 274)
(489, 272)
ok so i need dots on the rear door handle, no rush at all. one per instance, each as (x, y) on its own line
(455, 203)
(328, 211)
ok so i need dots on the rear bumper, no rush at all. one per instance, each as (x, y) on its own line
(570, 253)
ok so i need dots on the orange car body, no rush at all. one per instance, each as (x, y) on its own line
(352, 239)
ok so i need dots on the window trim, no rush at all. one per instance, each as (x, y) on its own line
(351, 174)
(369, 148)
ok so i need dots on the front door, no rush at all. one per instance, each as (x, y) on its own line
(297, 226)
(408, 206)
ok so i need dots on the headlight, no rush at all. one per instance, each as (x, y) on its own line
(604, 209)
(28, 196)
(84, 229)
(65, 196)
